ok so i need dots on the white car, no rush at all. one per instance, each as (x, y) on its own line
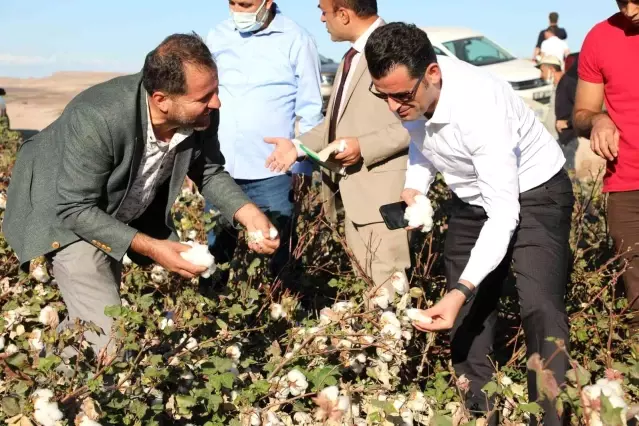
(474, 48)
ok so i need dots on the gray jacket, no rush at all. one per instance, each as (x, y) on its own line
(70, 179)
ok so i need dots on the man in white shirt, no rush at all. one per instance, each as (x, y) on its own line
(554, 46)
(512, 200)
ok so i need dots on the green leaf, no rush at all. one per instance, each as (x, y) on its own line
(580, 376)
(610, 416)
(138, 409)
(440, 420)
(323, 377)
(17, 360)
(387, 406)
(530, 408)
(185, 403)
(252, 269)
(235, 310)
(10, 406)
(46, 364)
(113, 311)
(145, 301)
(490, 388)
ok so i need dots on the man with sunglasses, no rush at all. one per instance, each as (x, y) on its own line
(512, 201)
(375, 155)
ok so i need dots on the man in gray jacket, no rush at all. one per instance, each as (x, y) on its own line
(101, 180)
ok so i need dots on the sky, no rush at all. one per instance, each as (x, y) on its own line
(39, 37)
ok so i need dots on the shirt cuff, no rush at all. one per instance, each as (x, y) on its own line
(300, 151)
(418, 178)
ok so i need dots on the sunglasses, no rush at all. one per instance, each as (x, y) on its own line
(402, 97)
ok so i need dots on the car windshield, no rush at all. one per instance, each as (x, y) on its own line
(478, 51)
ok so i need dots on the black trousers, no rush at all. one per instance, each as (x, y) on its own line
(540, 254)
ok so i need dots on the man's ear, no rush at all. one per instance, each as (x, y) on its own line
(161, 101)
(344, 15)
(433, 73)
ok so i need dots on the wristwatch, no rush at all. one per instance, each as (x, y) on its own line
(470, 294)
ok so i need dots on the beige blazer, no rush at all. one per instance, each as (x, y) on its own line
(379, 178)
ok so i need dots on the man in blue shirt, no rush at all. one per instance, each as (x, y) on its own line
(271, 76)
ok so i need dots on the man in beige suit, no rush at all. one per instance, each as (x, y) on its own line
(375, 154)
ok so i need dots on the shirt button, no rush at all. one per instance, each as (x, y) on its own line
(55, 245)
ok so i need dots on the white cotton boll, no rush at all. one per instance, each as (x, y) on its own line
(417, 402)
(361, 358)
(610, 387)
(383, 298)
(46, 413)
(296, 382)
(420, 214)
(159, 275)
(273, 233)
(343, 403)
(191, 344)
(254, 419)
(400, 283)
(342, 307)
(407, 335)
(276, 311)
(272, 419)
(126, 260)
(330, 393)
(392, 331)
(407, 417)
(257, 236)
(418, 315)
(617, 402)
(86, 421)
(302, 419)
(390, 318)
(199, 255)
(384, 355)
(40, 274)
(19, 331)
(166, 322)
(234, 352)
(11, 349)
(49, 317)
(506, 381)
(35, 342)
(3, 201)
(192, 235)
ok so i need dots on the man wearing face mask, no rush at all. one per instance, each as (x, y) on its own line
(512, 201)
(271, 76)
(375, 149)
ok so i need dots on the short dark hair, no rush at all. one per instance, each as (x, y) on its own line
(362, 8)
(553, 17)
(553, 30)
(164, 66)
(396, 44)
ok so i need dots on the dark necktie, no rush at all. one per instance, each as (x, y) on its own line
(332, 126)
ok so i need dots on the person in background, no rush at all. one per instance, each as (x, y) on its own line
(608, 70)
(3, 106)
(511, 205)
(562, 104)
(271, 70)
(554, 46)
(375, 155)
(553, 21)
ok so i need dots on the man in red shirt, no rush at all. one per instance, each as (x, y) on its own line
(608, 70)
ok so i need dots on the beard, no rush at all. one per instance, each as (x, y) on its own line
(198, 123)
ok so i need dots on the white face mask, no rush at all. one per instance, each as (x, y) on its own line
(247, 22)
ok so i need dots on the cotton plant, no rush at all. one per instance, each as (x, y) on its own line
(46, 411)
(591, 398)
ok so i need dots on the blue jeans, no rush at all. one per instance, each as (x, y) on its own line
(272, 195)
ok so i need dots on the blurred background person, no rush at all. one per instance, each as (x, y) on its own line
(553, 21)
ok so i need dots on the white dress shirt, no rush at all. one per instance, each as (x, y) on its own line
(489, 147)
(359, 45)
(155, 168)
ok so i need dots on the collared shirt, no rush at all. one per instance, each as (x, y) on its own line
(490, 147)
(267, 79)
(359, 45)
(155, 168)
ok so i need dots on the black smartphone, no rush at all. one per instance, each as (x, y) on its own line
(393, 215)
